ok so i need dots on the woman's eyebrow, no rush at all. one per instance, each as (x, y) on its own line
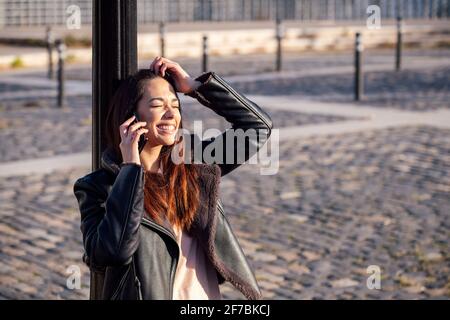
(151, 99)
(162, 99)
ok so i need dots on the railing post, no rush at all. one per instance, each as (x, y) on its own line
(205, 51)
(162, 35)
(359, 81)
(61, 49)
(398, 54)
(279, 37)
(49, 41)
(114, 57)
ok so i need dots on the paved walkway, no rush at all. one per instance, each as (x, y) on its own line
(40, 87)
(372, 118)
(358, 185)
(79, 87)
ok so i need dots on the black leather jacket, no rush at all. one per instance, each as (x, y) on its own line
(131, 256)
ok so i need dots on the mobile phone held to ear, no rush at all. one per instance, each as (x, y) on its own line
(142, 139)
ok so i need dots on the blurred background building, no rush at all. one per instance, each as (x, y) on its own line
(44, 12)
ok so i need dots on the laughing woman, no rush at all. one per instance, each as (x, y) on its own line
(154, 228)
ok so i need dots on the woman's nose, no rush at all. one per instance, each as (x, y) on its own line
(170, 113)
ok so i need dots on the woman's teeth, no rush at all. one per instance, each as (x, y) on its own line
(166, 128)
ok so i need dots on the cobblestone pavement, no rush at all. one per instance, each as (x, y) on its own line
(40, 237)
(342, 203)
(281, 118)
(418, 90)
(13, 87)
(42, 130)
(339, 204)
(308, 62)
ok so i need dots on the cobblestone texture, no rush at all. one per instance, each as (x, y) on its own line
(301, 61)
(15, 87)
(42, 130)
(419, 90)
(40, 237)
(339, 204)
(308, 62)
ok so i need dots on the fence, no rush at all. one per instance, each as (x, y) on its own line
(53, 12)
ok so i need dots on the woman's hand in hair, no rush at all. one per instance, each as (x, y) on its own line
(129, 134)
(183, 81)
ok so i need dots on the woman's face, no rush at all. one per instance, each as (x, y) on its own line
(160, 108)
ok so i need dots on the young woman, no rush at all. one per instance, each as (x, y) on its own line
(154, 228)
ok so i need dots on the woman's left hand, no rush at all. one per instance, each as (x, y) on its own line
(182, 79)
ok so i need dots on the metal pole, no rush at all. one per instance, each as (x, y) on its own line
(114, 56)
(398, 55)
(162, 34)
(205, 54)
(61, 49)
(49, 41)
(359, 88)
(279, 36)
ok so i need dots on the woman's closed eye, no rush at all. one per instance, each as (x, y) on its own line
(161, 105)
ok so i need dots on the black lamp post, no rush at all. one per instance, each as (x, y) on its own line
(114, 57)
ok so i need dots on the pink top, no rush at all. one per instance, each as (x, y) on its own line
(195, 278)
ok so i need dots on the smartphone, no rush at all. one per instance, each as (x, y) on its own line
(142, 139)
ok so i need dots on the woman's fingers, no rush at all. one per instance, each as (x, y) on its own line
(152, 65)
(126, 130)
(136, 126)
(138, 133)
(124, 127)
(155, 64)
(161, 64)
(158, 66)
(163, 69)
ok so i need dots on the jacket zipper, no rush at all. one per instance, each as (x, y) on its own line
(237, 96)
(173, 271)
(137, 283)
(221, 209)
(138, 288)
(113, 297)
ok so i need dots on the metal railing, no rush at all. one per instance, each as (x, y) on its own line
(53, 12)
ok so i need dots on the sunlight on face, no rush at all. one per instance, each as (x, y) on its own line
(160, 108)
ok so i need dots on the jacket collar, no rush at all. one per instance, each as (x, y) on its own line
(109, 161)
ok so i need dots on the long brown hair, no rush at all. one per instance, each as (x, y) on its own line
(175, 193)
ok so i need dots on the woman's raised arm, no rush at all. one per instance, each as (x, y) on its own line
(250, 124)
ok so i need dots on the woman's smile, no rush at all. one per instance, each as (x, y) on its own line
(166, 128)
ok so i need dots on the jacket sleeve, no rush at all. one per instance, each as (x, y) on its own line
(110, 221)
(255, 124)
